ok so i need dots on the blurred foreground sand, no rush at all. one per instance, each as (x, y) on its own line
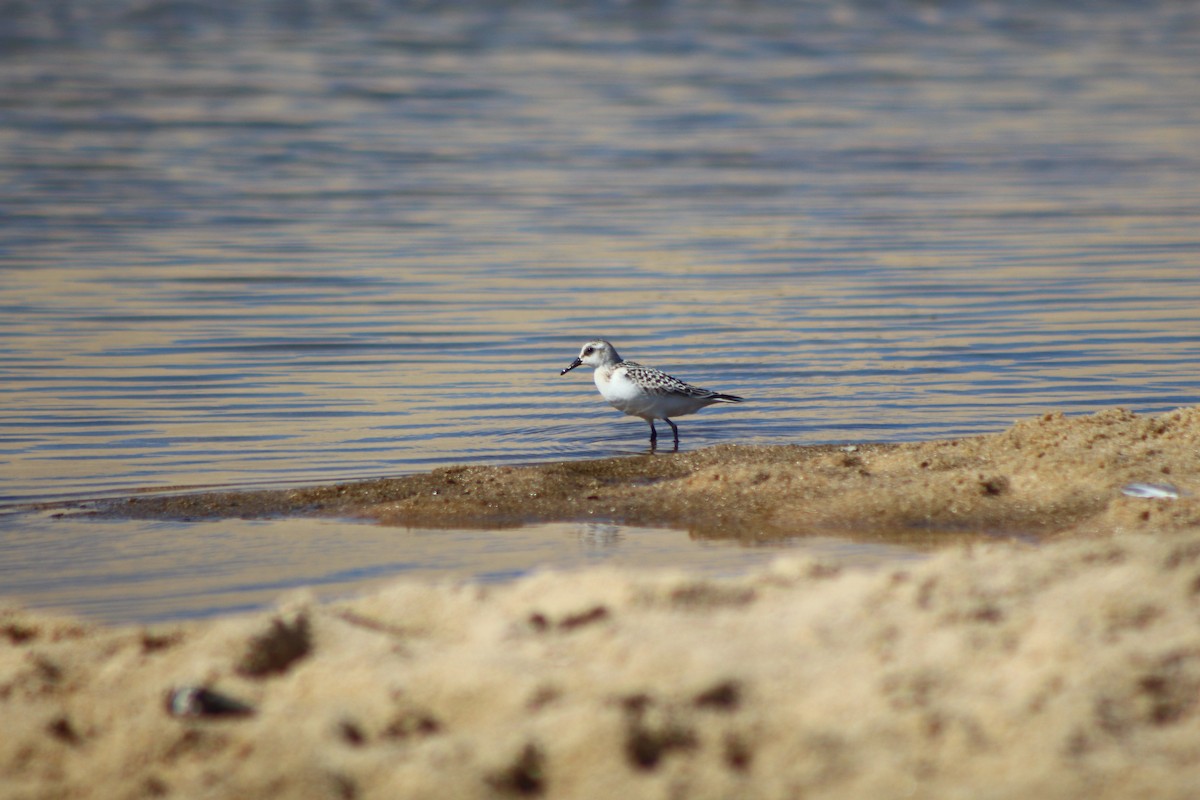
(1068, 668)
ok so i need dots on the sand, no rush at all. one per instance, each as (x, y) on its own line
(1058, 658)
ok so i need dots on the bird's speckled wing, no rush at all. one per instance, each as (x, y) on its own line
(657, 382)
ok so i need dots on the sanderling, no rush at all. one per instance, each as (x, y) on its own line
(644, 391)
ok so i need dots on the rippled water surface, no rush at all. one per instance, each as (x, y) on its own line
(254, 243)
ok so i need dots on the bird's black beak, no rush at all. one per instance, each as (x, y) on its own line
(573, 365)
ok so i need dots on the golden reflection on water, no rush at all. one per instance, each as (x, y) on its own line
(198, 397)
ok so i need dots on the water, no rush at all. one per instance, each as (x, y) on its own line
(117, 572)
(261, 243)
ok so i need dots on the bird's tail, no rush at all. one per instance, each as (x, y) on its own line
(726, 398)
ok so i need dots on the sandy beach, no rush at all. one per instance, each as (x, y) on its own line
(1050, 647)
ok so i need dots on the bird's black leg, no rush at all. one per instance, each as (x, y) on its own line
(674, 430)
(653, 435)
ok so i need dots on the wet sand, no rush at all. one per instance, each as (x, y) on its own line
(1065, 668)
(1049, 476)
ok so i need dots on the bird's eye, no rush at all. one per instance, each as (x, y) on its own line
(587, 351)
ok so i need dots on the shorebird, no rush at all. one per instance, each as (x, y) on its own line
(643, 391)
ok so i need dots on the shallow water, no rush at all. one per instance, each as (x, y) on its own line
(265, 243)
(117, 571)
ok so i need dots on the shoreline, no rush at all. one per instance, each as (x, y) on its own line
(1049, 476)
(1061, 669)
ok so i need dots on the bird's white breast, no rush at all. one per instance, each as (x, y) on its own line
(621, 392)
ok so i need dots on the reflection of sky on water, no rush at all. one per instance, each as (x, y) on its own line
(144, 570)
